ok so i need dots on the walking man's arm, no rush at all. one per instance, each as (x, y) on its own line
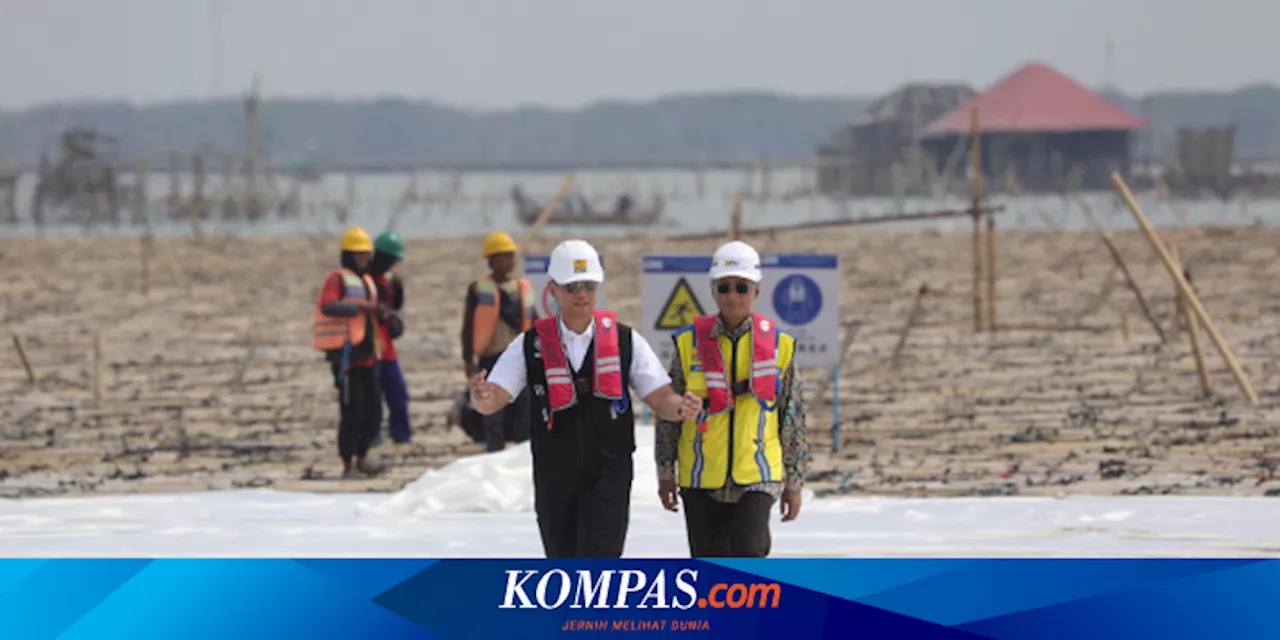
(795, 444)
(666, 443)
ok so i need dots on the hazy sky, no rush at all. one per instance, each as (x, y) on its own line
(499, 53)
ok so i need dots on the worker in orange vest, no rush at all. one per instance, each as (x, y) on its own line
(345, 328)
(499, 307)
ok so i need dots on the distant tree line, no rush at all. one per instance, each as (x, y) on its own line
(690, 128)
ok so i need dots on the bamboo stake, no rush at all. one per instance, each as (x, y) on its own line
(735, 217)
(991, 271)
(98, 373)
(975, 155)
(1166, 193)
(1124, 269)
(1201, 315)
(146, 264)
(22, 355)
(1206, 384)
(911, 322)
(547, 210)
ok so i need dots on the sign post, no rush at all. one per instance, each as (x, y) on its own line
(800, 291)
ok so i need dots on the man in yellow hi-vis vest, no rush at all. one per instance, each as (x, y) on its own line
(747, 449)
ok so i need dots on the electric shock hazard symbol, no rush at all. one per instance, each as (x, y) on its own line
(680, 308)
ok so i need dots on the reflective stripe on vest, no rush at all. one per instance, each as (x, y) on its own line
(704, 446)
(488, 311)
(606, 382)
(329, 333)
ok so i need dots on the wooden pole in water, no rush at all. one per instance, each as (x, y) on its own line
(1206, 384)
(22, 355)
(1185, 289)
(735, 217)
(975, 154)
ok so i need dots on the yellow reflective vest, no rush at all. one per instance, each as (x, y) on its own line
(748, 434)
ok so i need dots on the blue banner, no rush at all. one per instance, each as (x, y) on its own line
(780, 599)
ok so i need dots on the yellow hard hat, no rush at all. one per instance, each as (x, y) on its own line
(357, 239)
(498, 242)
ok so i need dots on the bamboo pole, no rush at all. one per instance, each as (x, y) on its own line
(1203, 316)
(911, 323)
(1206, 383)
(991, 271)
(735, 217)
(975, 155)
(1124, 268)
(1166, 193)
(144, 245)
(98, 369)
(547, 210)
(22, 355)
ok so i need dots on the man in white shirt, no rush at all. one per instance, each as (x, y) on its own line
(581, 367)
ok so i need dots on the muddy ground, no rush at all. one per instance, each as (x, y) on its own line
(209, 382)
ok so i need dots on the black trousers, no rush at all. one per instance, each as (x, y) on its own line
(509, 424)
(360, 403)
(583, 516)
(727, 530)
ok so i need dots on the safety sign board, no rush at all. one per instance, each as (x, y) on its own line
(680, 308)
(535, 269)
(800, 291)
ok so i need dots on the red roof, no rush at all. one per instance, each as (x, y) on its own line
(1037, 98)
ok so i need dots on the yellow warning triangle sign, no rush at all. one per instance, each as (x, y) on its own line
(680, 308)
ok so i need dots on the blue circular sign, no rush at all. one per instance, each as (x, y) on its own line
(797, 299)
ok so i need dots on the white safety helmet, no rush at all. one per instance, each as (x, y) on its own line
(574, 261)
(736, 260)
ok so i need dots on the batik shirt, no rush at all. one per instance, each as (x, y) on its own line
(791, 427)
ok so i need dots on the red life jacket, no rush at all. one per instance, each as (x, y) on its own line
(607, 380)
(764, 365)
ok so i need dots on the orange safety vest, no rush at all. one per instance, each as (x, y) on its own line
(485, 319)
(329, 333)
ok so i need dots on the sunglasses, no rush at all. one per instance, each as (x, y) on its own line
(573, 287)
(741, 287)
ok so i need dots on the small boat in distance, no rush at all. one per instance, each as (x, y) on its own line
(574, 209)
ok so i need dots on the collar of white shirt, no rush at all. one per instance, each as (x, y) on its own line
(568, 335)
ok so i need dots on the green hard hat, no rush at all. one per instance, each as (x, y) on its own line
(391, 244)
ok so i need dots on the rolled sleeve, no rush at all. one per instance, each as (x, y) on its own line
(647, 373)
(509, 371)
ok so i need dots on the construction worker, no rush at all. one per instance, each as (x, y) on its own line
(388, 251)
(747, 447)
(345, 328)
(498, 308)
(582, 366)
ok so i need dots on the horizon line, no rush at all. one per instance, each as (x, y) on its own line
(356, 100)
